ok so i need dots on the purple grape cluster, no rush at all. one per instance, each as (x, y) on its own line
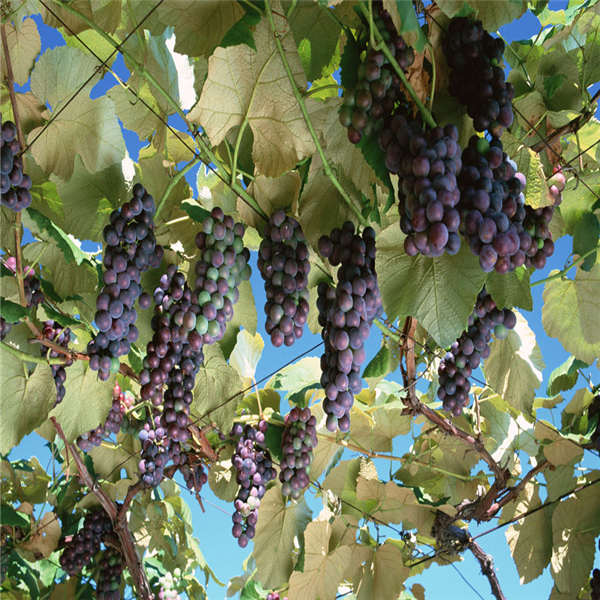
(476, 77)
(284, 266)
(274, 596)
(298, 440)
(31, 284)
(193, 472)
(109, 576)
(346, 317)
(254, 469)
(130, 250)
(470, 349)
(173, 358)
(222, 266)
(594, 409)
(53, 332)
(122, 402)
(367, 107)
(427, 166)
(82, 547)
(14, 184)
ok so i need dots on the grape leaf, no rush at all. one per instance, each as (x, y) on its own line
(25, 399)
(565, 377)
(246, 354)
(383, 577)
(553, 83)
(12, 312)
(297, 379)
(511, 290)
(492, 14)
(378, 367)
(60, 17)
(278, 526)
(559, 450)
(442, 290)
(514, 367)
(350, 62)
(570, 313)
(405, 20)
(585, 238)
(530, 539)
(243, 31)
(242, 83)
(378, 426)
(221, 477)
(217, 391)
(24, 45)
(44, 536)
(581, 200)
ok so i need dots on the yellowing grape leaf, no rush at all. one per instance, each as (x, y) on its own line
(383, 577)
(24, 45)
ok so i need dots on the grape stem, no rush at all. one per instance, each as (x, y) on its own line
(313, 133)
(40, 360)
(238, 141)
(381, 45)
(174, 181)
(561, 274)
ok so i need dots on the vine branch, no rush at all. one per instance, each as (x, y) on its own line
(40, 360)
(566, 269)
(486, 562)
(134, 564)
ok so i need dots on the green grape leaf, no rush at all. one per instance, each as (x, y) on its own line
(514, 367)
(26, 399)
(297, 379)
(553, 83)
(565, 377)
(492, 14)
(24, 44)
(404, 18)
(318, 35)
(350, 62)
(61, 319)
(580, 199)
(9, 516)
(195, 212)
(221, 477)
(241, 84)
(274, 436)
(379, 365)
(278, 526)
(511, 290)
(585, 238)
(442, 290)
(529, 540)
(376, 427)
(246, 354)
(570, 313)
(217, 392)
(243, 31)
(12, 312)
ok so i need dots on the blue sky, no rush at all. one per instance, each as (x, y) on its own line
(213, 527)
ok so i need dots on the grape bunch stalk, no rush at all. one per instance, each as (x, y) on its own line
(369, 106)
(298, 441)
(476, 77)
(346, 315)
(221, 268)
(122, 402)
(84, 545)
(284, 266)
(109, 578)
(14, 184)
(470, 349)
(53, 332)
(130, 250)
(254, 469)
(427, 164)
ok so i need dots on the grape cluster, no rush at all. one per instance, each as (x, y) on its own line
(193, 473)
(367, 108)
(427, 166)
(14, 184)
(130, 250)
(284, 266)
(346, 316)
(222, 266)
(82, 547)
(31, 284)
(274, 596)
(476, 77)
(122, 402)
(173, 358)
(5, 551)
(470, 349)
(299, 439)
(109, 578)
(254, 469)
(500, 228)
(594, 409)
(167, 587)
(53, 332)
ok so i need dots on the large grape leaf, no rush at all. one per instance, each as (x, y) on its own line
(530, 539)
(279, 525)
(323, 570)
(298, 378)
(24, 45)
(558, 449)
(492, 14)
(511, 290)
(565, 376)
(570, 313)
(199, 26)
(383, 577)
(439, 292)
(585, 239)
(514, 367)
(271, 195)
(217, 391)
(25, 399)
(246, 354)
(575, 523)
(88, 128)
(579, 199)
(375, 428)
(253, 85)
